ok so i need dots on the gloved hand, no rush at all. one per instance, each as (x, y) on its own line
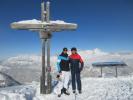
(58, 76)
(81, 69)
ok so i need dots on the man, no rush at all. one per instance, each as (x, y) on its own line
(64, 72)
(76, 68)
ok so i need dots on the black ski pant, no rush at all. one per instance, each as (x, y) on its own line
(76, 79)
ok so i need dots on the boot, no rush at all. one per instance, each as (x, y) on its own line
(62, 91)
(66, 92)
(74, 91)
(80, 91)
(59, 95)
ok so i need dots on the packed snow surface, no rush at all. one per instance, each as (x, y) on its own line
(93, 89)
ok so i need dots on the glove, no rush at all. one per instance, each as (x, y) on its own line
(81, 69)
(58, 76)
(82, 65)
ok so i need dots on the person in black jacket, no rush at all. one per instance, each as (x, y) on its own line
(77, 65)
(64, 72)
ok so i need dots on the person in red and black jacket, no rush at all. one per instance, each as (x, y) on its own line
(76, 64)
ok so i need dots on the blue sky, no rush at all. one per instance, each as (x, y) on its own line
(104, 24)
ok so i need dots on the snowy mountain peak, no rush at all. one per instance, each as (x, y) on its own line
(95, 51)
(99, 52)
(23, 60)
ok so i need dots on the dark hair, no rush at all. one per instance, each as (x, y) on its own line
(75, 49)
(65, 49)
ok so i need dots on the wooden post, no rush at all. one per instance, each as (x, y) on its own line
(48, 12)
(101, 71)
(42, 12)
(116, 71)
(46, 79)
(42, 81)
(49, 77)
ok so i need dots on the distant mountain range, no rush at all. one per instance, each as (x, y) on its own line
(27, 68)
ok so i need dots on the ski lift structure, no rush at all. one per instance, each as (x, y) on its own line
(116, 65)
(44, 27)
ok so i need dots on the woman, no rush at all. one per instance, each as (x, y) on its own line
(75, 60)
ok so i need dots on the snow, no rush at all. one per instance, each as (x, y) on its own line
(35, 21)
(2, 77)
(3, 67)
(26, 92)
(23, 60)
(29, 21)
(93, 89)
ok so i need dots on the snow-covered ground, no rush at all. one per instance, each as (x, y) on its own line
(93, 89)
